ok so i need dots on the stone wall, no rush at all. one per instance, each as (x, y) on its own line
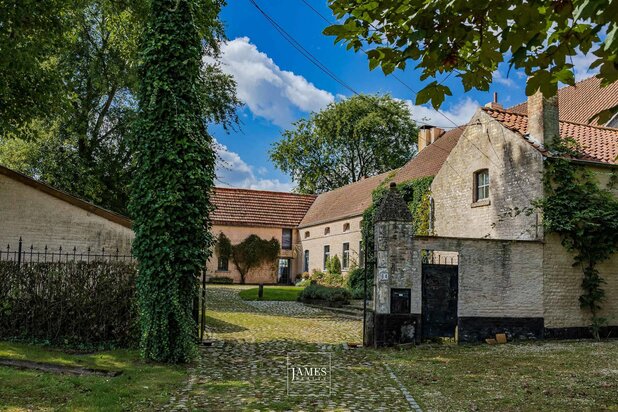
(562, 288)
(515, 179)
(313, 239)
(40, 219)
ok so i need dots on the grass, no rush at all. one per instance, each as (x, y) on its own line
(540, 376)
(142, 386)
(281, 293)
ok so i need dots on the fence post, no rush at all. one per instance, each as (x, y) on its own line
(19, 253)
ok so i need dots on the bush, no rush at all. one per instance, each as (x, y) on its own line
(356, 283)
(78, 304)
(223, 280)
(330, 294)
(333, 265)
(326, 279)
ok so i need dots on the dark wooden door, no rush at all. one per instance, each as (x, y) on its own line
(439, 311)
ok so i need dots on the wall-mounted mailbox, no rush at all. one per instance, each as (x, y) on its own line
(400, 300)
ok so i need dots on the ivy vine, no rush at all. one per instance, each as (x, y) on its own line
(585, 215)
(174, 174)
(254, 252)
(415, 192)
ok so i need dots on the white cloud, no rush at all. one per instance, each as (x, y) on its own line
(581, 65)
(501, 79)
(232, 171)
(268, 91)
(460, 113)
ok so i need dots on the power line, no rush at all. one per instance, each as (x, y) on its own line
(394, 75)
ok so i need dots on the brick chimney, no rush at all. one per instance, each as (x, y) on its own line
(428, 134)
(495, 104)
(543, 118)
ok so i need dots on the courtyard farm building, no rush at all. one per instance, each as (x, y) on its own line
(485, 264)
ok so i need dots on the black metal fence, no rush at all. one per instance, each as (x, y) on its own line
(22, 253)
(436, 258)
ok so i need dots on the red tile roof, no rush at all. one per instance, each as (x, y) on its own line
(244, 207)
(598, 144)
(580, 102)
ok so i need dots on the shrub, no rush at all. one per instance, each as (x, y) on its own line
(327, 279)
(356, 283)
(77, 304)
(330, 294)
(333, 265)
(224, 280)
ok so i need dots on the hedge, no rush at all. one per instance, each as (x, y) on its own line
(77, 304)
(330, 294)
(220, 280)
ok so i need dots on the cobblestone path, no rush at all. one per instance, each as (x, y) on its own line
(246, 369)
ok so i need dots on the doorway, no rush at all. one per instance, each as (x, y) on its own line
(283, 276)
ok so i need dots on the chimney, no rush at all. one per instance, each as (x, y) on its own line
(543, 118)
(495, 105)
(428, 134)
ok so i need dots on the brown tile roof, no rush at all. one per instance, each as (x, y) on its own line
(599, 144)
(429, 160)
(353, 199)
(343, 202)
(244, 207)
(580, 102)
(59, 194)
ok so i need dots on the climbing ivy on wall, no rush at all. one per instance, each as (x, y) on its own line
(585, 215)
(175, 164)
(416, 194)
(254, 252)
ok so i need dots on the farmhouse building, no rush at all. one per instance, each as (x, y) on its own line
(43, 216)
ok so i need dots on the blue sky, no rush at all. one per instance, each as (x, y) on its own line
(279, 86)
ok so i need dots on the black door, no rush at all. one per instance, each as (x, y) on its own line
(439, 300)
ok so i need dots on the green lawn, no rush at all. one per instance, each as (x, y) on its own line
(272, 293)
(539, 376)
(142, 386)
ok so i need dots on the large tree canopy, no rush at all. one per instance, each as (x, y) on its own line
(83, 148)
(470, 38)
(355, 138)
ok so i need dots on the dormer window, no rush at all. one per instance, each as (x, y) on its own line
(327, 230)
(346, 227)
(481, 185)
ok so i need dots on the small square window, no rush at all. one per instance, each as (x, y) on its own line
(346, 227)
(327, 230)
(307, 234)
(481, 185)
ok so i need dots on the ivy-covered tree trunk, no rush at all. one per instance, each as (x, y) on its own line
(175, 165)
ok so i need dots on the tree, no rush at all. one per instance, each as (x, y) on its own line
(83, 149)
(355, 138)
(254, 252)
(174, 173)
(472, 38)
(333, 265)
(30, 85)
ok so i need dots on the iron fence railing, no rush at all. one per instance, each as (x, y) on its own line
(435, 258)
(22, 253)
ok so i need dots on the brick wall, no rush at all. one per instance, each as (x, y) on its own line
(41, 219)
(562, 287)
(496, 278)
(314, 239)
(515, 172)
(268, 272)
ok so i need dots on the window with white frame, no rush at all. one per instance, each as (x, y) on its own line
(481, 185)
(326, 255)
(345, 261)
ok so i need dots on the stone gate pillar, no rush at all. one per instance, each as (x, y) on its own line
(392, 320)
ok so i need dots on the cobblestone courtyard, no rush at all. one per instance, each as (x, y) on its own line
(246, 368)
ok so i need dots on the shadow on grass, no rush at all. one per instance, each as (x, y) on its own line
(220, 326)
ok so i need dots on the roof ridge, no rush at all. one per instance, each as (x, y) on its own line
(612, 129)
(239, 189)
